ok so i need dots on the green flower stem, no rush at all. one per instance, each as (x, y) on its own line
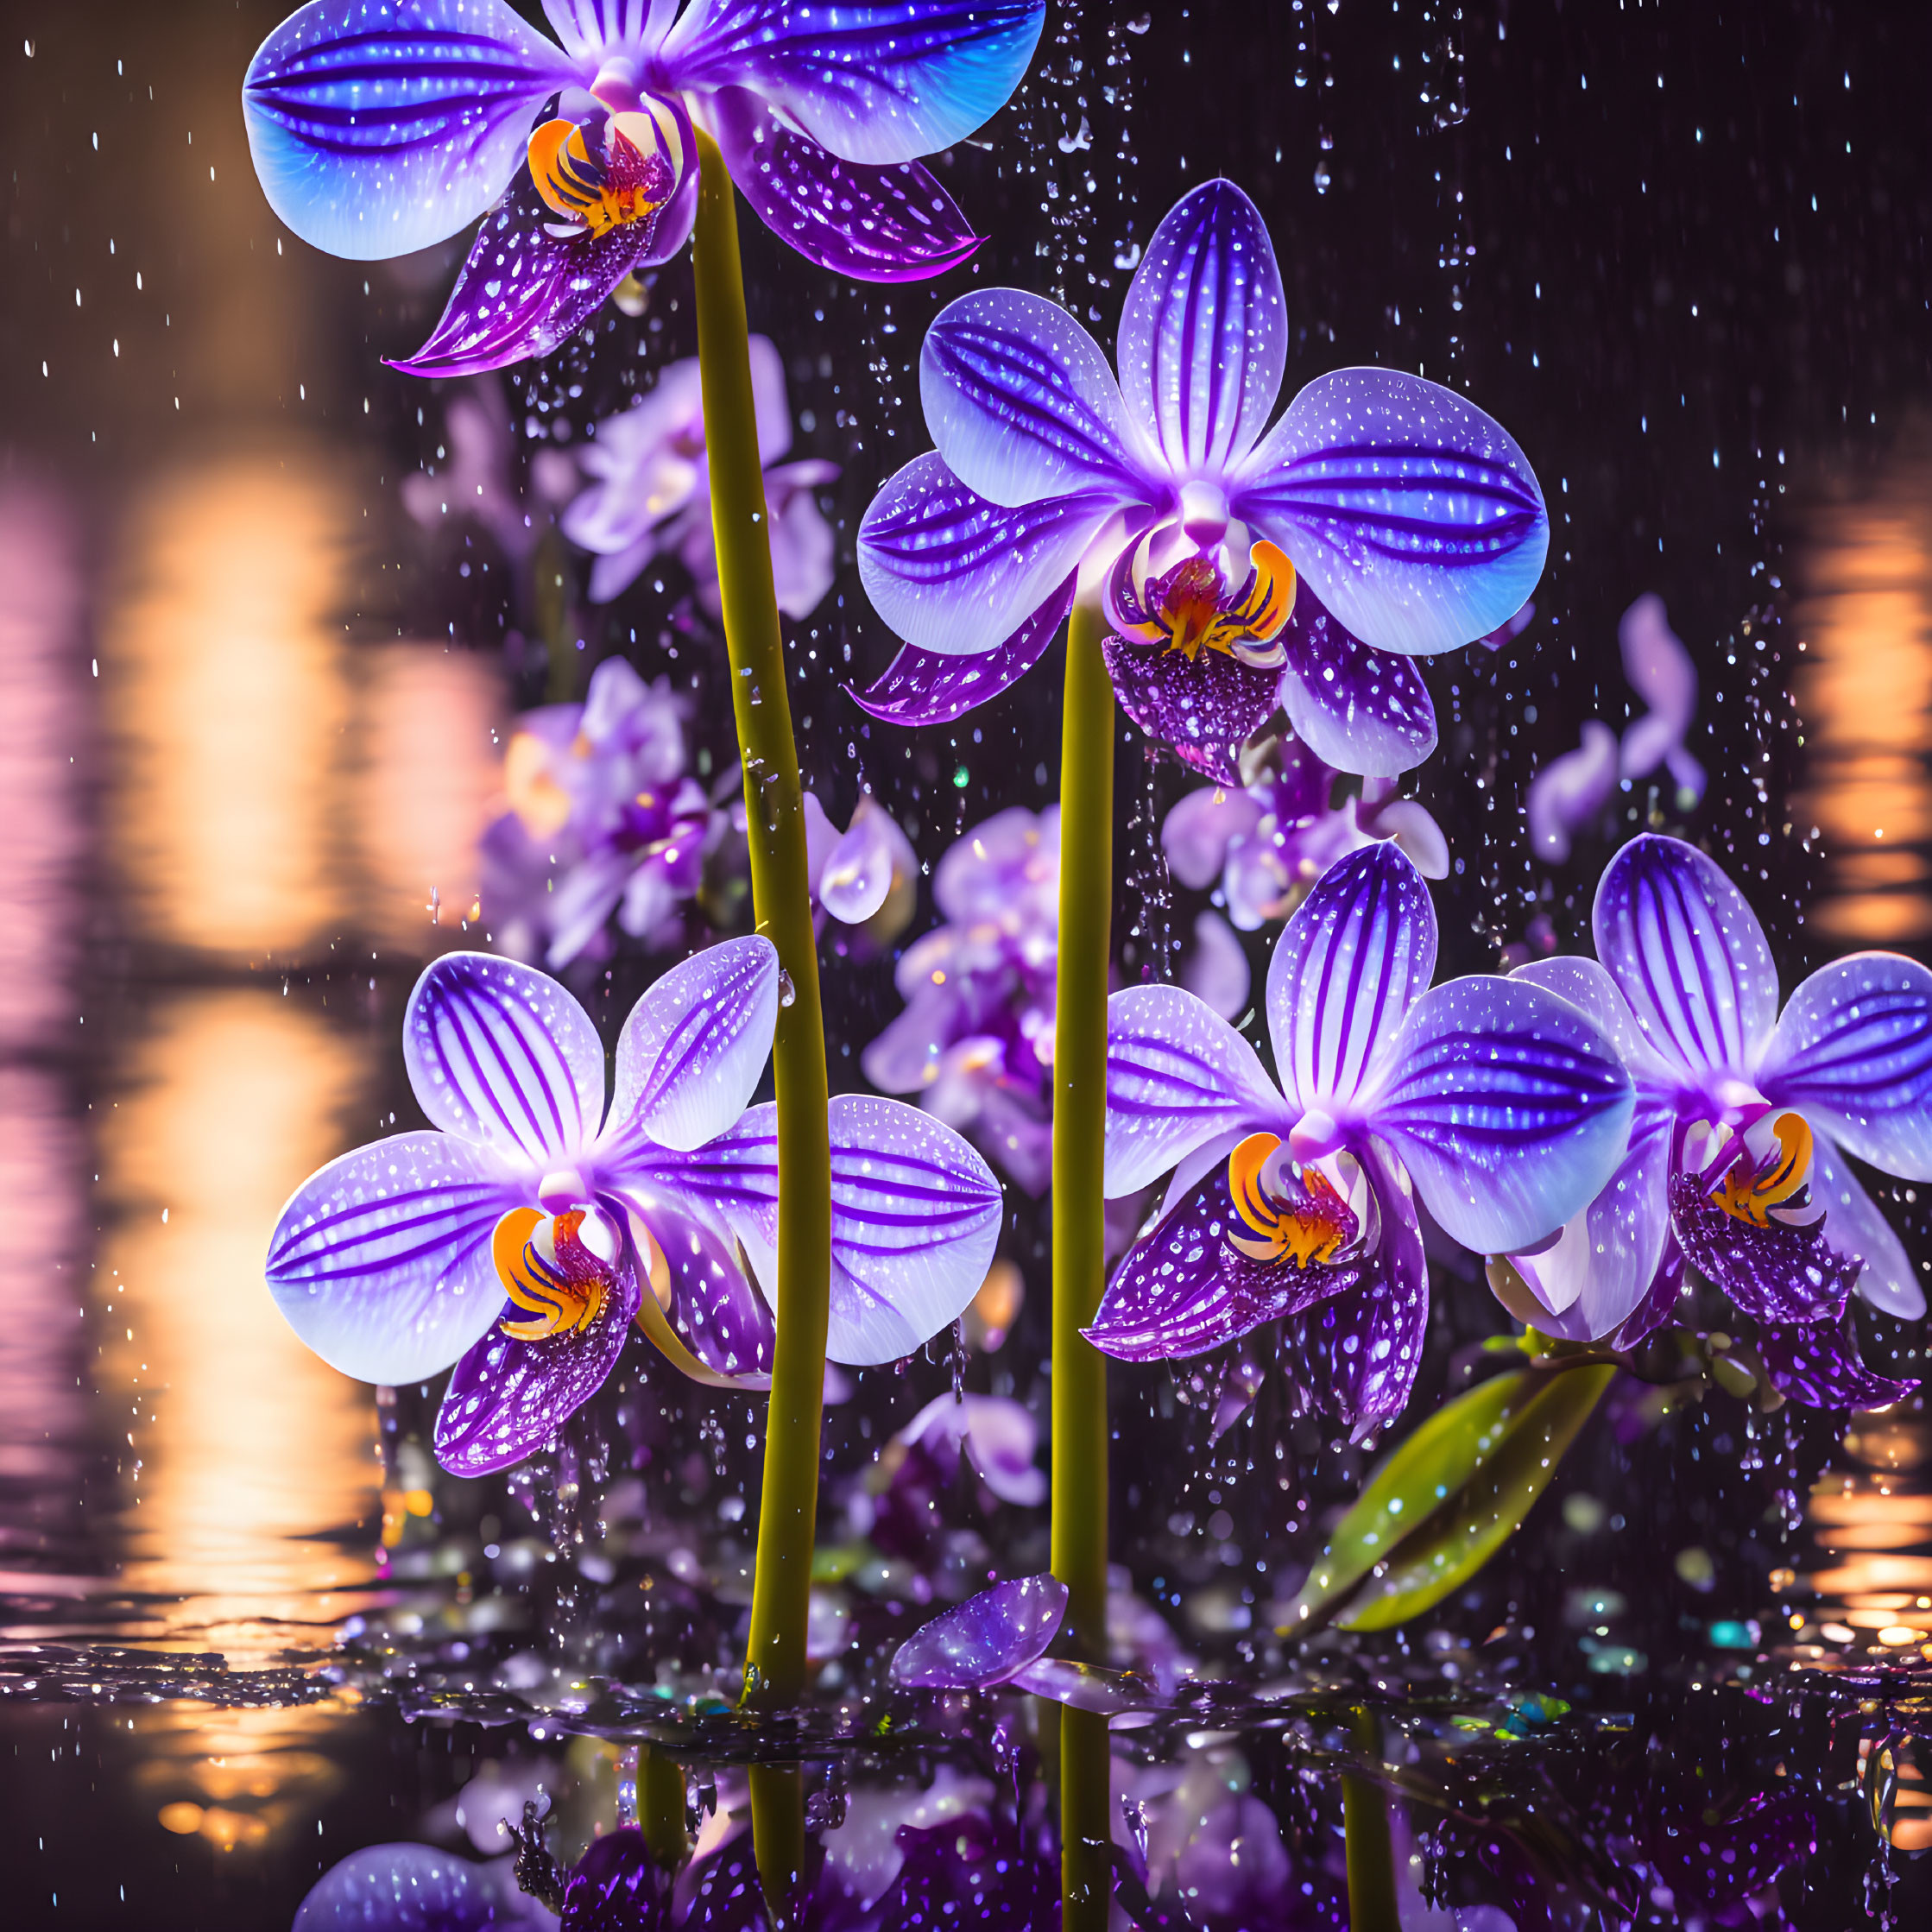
(660, 1806)
(781, 896)
(1365, 1811)
(1080, 1434)
(778, 1839)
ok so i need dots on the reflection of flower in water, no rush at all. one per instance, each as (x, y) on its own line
(650, 491)
(976, 1041)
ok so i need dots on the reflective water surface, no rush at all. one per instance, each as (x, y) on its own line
(251, 722)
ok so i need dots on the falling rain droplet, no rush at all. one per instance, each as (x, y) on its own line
(958, 1359)
(787, 992)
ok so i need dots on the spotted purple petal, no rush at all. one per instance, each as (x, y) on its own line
(1352, 960)
(1508, 1107)
(695, 1045)
(1177, 1076)
(1355, 708)
(524, 290)
(1203, 708)
(617, 1885)
(502, 1056)
(1689, 954)
(1182, 1290)
(1204, 331)
(952, 573)
(1710, 1867)
(378, 131)
(986, 1640)
(1777, 1273)
(1889, 1279)
(931, 687)
(1355, 1355)
(416, 1888)
(882, 83)
(1854, 1050)
(893, 222)
(507, 1397)
(1021, 403)
(1415, 516)
(382, 1261)
(1818, 1363)
(716, 1310)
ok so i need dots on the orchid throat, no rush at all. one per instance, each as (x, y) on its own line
(1222, 595)
(559, 1269)
(615, 178)
(1291, 1211)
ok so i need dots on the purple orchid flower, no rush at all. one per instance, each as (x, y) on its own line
(380, 129)
(1735, 1158)
(1382, 518)
(1264, 844)
(976, 1040)
(1570, 792)
(604, 819)
(650, 491)
(1502, 1113)
(517, 1239)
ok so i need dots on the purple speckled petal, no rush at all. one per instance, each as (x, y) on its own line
(1570, 792)
(1710, 1867)
(1352, 960)
(954, 574)
(1204, 331)
(1355, 708)
(1507, 1106)
(523, 290)
(1355, 1355)
(1889, 1280)
(984, 1641)
(1415, 515)
(617, 1885)
(1818, 1363)
(885, 82)
(1689, 954)
(1660, 1299)
(1020, 401)
(1177, 1076)
(416, 1888)
(695, 1045)
(381, 1263)
(1854, 1050)
(875, 224)
(378, 131)
(716, 1312)
(931, 687)
(1203, 708)
(1775, 1274)
(1182, 1290)
(507, 1397)
(501, 1055)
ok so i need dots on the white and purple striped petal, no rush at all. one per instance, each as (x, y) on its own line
(882, 83)
(378, 130)
(929, 687)
(1508, 1107)
(1689, 955)
(502, 1056)
(1355, 708)
(507, 1397)
(1415, 516)
(1853, 1051)
(692, 1051)
(953, 574)
(1178, 1076)
(716, 1310)
(1203, 335)
(382, 1261)
(1020, 401)
(874, 223)
(595, 30)
(1857, 1226)
(1351, 961)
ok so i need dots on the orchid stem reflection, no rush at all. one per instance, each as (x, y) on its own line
(781, 896)
(1079, 1237)
(1372, 1903)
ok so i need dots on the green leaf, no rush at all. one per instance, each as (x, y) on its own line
(1462, 1537)
(1424, 1470)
